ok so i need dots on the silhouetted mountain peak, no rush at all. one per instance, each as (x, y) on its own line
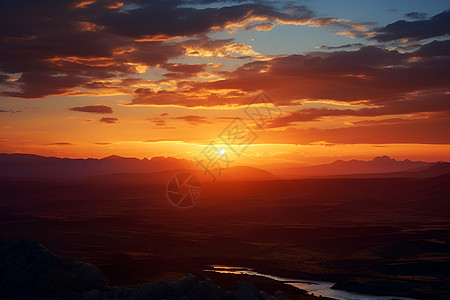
(117, 157)
(383, 158)
(35, 166)
(163, 158)
(379, 164)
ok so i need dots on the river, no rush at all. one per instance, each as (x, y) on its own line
(318, 288)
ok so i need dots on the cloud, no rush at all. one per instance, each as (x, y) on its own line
(4, 78)
(60, 144)
(438, 25)
(189, 96)
(35, 85)
(423, 131)
(346, 46)
(68, 48)
(161, 121)
(366, 75)
(9, 111)
(434, 49)
(416, 15)
(383, 121)
(96, 109)
(102, 144)
(183, 71)
(109, 120)
(206, 47)
(193, 120)
(419, 103)
(264, 26)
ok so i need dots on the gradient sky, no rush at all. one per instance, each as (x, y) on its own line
(143, 78)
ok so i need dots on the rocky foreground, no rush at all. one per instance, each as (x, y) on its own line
(28, 270)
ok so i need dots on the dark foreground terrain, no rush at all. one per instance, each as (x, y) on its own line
(386, 236)
(29, 271)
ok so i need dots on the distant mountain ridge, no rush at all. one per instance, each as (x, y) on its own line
(115, 167)
(436, 169)
(381, 164)
(35, 166)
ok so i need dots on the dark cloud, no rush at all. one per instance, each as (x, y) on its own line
(213, 1)
(420, 131)
(172, 19)
(160, 121)
(35, 85)
(189, 97)
(102, 144)
(438, 25)
(182, 71)
(109, 120)
(63, 46)
(60, 144)
(71, 48)
(193, 120)
(421, 103)
(96, 109)
(416, 15)
(9, 111)
(434, 49)
(346, 46)
(3, 78)
(371, 74)
(383, 121)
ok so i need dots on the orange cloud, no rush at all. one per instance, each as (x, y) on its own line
(109, 120)
(96, 109)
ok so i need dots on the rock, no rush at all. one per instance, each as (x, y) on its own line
(246, 291)
(28, 269)
(206, 290)
(279, 295)
(181, 287)
(93, 295)
(157, 289)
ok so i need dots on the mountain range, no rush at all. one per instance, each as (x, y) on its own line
(35, 166)
(158, 168)
(381, 164)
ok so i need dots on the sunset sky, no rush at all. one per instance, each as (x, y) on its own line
(143, 78)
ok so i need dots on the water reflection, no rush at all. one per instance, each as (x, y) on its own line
(318, 288)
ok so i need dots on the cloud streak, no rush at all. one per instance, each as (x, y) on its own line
(109, 120)
(95, 109)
